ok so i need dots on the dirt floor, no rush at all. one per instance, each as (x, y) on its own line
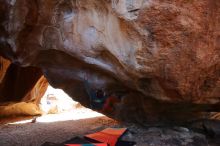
(58, 128)
(25, 133)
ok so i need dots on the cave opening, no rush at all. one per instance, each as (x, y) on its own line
(40, 113)
(54, 106)
(26, 96)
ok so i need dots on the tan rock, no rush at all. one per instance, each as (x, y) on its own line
(162, 56)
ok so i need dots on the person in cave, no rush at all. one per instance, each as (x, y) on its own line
(97, 97)
(100, 101)
(109, 104)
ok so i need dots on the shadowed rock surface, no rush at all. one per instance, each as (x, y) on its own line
(20, 83)
(162, 57)
(21, 89)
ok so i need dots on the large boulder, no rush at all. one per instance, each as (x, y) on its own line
(162, 57)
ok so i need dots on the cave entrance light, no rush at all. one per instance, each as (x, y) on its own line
(57, 106)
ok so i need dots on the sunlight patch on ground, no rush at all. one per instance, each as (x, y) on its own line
(20, 122)
(78, 114)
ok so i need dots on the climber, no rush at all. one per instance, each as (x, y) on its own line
(110, 102)
(100, 101)
(97, 97)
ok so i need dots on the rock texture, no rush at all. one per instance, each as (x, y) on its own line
(162, 56)
(4, 64)
(17, 82)
(21, 89)
(37, 92)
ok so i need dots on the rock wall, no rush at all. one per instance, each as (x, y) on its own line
(21, 89)
(4, 64)
(161, 57)
(37, 92)
(17, 82)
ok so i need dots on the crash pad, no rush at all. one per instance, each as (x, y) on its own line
(108, 135)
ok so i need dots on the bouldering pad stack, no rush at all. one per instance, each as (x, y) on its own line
(106, 137)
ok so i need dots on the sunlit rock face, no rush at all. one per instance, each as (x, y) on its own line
(20, 83)
(21, 89)
(162, 57)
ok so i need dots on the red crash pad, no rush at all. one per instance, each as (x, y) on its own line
(108, 135)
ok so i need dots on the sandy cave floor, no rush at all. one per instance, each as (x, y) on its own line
(85, 121)
(25, 133)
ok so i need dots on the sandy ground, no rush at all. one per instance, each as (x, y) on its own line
(25, 133)
(72, 120)
(58, 128)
